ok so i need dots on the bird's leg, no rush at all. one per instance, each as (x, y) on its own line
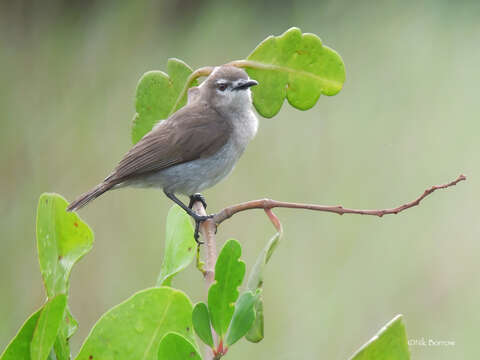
(198, 218)
(197, 197)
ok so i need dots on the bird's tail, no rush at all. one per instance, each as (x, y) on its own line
(84, 199)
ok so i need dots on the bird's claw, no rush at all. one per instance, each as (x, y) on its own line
(198, 220)
(197, 197)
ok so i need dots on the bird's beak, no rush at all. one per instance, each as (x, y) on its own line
(243, 85)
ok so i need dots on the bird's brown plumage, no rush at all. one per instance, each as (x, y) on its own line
(193, 132)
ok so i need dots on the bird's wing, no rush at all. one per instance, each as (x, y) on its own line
(193, 132)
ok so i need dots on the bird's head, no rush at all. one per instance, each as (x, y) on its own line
(227, 89)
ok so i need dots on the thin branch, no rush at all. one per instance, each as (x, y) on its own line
(338, 209)
(208, 229)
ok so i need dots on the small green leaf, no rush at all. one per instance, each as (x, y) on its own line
(256, 333)
(201, 323)
(390, 343)
(229, 273)
(47, 327)
(296, 66)
(255, 281)
(179, 245)
(157, 96)
(19, 347)
(134, 328)
(243, 317)
(174, 346)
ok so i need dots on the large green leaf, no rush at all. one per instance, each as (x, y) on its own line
(47, 327)
(174, 346)
(62, 240)
(157, 96)
(296, 66)
(19, 347)
(179, 245)
(242, 319)
(229, 272)
(134, 328)
(390, 343)
(201, 323)
(255, 281)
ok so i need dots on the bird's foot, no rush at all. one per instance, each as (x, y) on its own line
(198, 220)
(197, 197)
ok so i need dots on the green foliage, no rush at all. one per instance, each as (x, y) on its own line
(255, 281)
(180, 245)
(296, 66)
(242, 319)
(62, 239)
(201, 323)
(158, 323)
(134, 328)
(390, 343)
(19, 347)
(47, 327)
(256, 332)
(229, 272)
(174, 346)
(158, 96)
(293, 65)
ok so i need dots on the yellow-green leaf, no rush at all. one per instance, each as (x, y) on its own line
(390, 343)
(180, 245)
(174, 346)
(229, 273)
(134, 328)
(158, 96)
(295, 66)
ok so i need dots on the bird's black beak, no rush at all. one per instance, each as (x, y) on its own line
(245, 84)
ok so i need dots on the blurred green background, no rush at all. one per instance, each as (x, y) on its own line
(406, 119)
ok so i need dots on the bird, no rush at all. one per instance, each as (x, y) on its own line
(193, 149)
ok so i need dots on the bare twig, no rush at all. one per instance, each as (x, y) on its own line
(338, 209)
(208, 228)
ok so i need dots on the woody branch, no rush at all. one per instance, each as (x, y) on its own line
(208, 228)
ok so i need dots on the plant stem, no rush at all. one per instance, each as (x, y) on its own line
(208, 229)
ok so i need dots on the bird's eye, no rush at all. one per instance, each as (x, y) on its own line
(222, 86)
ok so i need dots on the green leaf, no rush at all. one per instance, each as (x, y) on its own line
(157, 96)
(229, 272)
(19, 346)
(296, 66)
(255, 281)
(62, 240)
(201, 323)
(390, 343)
(174, 346)
(256, 333)
(134, 328)
(243, 317)
(179, 245)
(47, 327)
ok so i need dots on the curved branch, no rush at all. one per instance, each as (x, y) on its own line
(228, 212)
